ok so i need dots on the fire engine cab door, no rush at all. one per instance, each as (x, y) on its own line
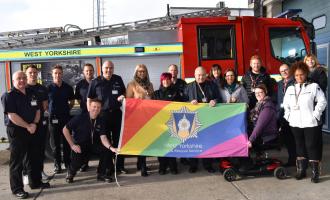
(284, 44)
(221, 44)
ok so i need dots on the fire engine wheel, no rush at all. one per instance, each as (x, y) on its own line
(280, 173)
(230, 174)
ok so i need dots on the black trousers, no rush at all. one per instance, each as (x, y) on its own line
(113, 120)
(58, 141)
(165, 162)
(288, 140)
(22, 145)
(34, 162)
(105, 163)
(308, 141)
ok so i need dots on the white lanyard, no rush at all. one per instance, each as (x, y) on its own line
(204, 99)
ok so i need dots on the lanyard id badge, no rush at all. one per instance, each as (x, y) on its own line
(296, 107)
(204, 99)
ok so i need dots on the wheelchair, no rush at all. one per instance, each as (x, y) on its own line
(260, 163)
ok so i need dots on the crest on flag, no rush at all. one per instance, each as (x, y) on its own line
(183, 124)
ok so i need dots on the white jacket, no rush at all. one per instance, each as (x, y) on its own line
(311, 103)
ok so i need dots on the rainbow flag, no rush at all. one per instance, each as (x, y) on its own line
(178, 129)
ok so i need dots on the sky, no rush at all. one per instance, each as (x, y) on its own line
(33, 14)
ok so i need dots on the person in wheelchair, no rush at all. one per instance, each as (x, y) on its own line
(262, 126)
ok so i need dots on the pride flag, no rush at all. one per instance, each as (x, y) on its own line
(177, 129)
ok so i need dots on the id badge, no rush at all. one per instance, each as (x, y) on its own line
(114, 91)
(33, 103)
(54, 121)
(296, 107)
(204, 100)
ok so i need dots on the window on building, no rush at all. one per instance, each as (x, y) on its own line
(319, 22)
(287, 44)
(216, 43)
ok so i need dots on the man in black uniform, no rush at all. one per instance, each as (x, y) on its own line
(81, 96)
(87, 129)
(61, 100)
(82, 86)
(179, 84)
(110, 89)
(201, 91)
(39, 139)
(23, 114)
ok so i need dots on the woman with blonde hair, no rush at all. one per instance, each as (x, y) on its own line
(140, 88)
(317, 73)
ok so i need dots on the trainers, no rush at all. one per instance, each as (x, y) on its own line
(21, 194)
(69, 178)
(25, 179)
(104, 178)
(84, 168)
(44, 176)
(122, 171)
(58, 169)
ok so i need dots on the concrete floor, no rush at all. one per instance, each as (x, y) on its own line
(201, 185)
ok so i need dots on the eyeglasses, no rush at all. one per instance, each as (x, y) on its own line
(284, 70)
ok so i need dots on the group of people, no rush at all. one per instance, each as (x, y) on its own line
(300, 100)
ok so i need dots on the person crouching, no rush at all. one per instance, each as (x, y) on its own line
(88, 133)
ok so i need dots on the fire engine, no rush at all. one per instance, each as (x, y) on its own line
(189, 40)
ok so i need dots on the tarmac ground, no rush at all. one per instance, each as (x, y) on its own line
(201, 185)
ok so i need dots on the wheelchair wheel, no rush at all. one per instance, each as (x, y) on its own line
(230, 175)
(280, 173)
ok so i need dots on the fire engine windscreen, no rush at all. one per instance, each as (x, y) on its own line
(287, 44)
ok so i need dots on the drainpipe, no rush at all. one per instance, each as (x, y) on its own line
(261, 8)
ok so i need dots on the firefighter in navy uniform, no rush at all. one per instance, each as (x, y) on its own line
(110, 89)
(41, 133)
(81, 96)
(23, 114)
(86, 133)
(61, 100)
(83, 85)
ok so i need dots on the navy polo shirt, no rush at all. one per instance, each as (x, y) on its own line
(42, 94)
(15, 101)
(84, 130)
(59, 98)
(107, 91)
(81, 93)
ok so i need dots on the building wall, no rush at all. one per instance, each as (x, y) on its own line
(310, 10)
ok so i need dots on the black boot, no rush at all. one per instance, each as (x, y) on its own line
(315, 171)
(301, 169)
